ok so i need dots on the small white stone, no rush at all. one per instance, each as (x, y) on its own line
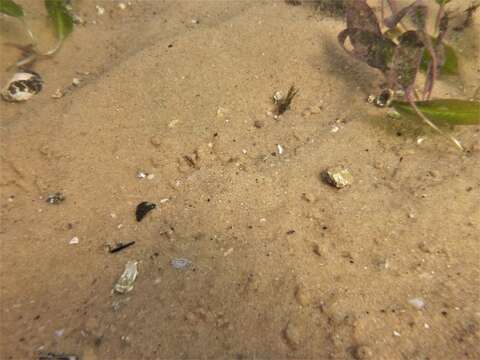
(150, 176)
(280, 149)
(122, 6)
(100, 10)
(244, 151)
(163, 201)
(417, 303)
(420, 140)
(76, 81)
(396, 333)
(221, 112)
(195, 21)
(277, 97)
(334, 129)
(141, 175)
(75, 240)
(426, 326)
(173, 123)
(57, 94)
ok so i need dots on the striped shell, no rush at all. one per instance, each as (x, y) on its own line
(22, 86)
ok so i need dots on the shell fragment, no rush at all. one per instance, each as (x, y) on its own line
(22, 86)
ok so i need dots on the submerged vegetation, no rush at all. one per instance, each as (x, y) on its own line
(60, 18)
(401, 52)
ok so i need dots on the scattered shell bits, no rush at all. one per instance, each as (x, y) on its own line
(22, 86)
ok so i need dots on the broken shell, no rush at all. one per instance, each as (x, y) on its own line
(277, 97)
(385, 98)
(22, 86)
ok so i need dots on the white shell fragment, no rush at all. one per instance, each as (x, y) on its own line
(74, 241)
(126, 280)
(280, 149)
(417, 303)
(22, 86)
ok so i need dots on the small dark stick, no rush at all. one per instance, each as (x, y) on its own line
(119, 246)
(284, 104)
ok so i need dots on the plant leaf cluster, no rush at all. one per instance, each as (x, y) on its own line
(401, 52)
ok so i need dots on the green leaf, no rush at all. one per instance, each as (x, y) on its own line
(451, 111)
(450, 64)
(8, 7)
(61, 18)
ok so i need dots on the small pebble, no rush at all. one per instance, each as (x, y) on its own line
(195, 21)
(293, 335)
(76, 81)
(259, 124)
(337, 177)
(228, 252)
(100, 10)
(55, 198)
(122, 6)
(393, 114)
(316, 109)
(363, 352)
(57, 94)
(179, 263)
(277, 97)
(279, 149)
(417, 303)
(156, 140)
(173, 123)
(396, 333)
(308, 197)
(78, 20)
(302, 296)
(221, 112)
(75, 240)
(141, 175)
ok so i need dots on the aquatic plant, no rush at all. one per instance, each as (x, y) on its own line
(400, 53)
(60, 18)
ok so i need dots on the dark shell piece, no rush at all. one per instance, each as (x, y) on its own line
(143, 209)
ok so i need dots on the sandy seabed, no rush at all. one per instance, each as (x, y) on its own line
(281, 265)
